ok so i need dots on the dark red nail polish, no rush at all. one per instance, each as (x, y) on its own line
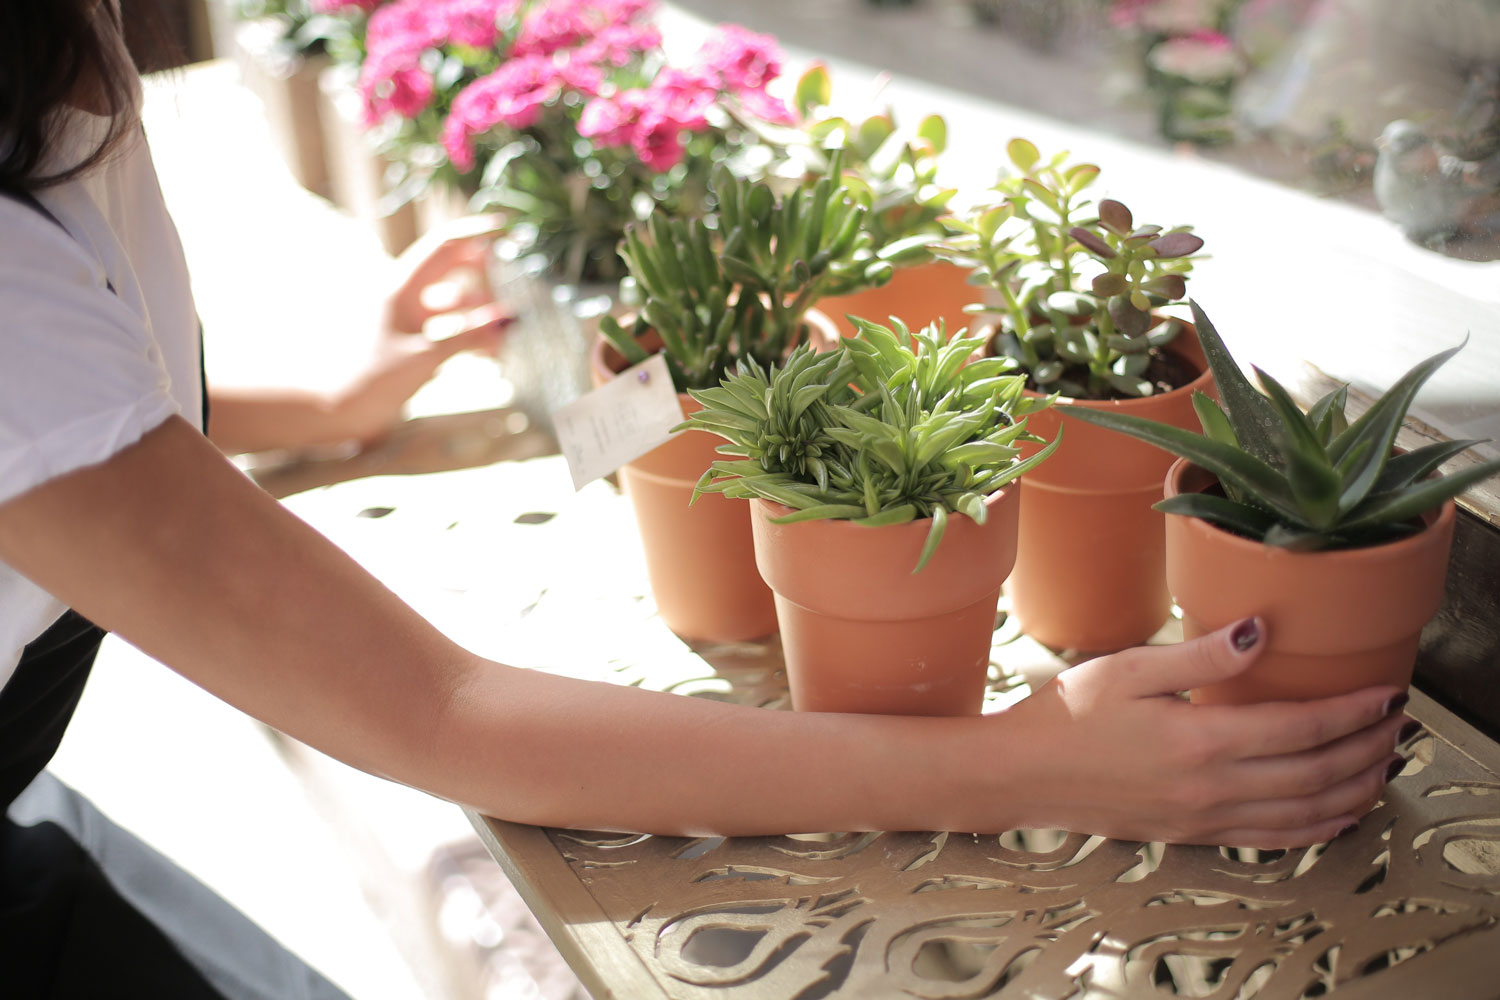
(1397, 702)
(1348, 829)
(1412, 728)
(1245, 635)
(1394, 769)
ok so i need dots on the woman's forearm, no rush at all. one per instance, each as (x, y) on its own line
(246, 420)
(170, 546)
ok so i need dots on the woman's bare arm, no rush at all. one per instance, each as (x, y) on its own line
(170, 546)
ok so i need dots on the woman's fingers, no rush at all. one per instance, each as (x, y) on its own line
(1208, 659)
(1282, 822)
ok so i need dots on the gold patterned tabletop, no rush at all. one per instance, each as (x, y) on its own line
(1407, 906)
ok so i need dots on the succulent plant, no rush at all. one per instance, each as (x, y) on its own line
(739, 285)
(1079, 282)
(1300, 480)
(887, 429)
(889, 168)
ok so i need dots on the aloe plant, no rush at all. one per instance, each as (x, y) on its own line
(1079, 282)
(889, 428)
(739, 285)
(1304, 480)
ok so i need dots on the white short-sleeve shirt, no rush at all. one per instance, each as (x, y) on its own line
(98, 339)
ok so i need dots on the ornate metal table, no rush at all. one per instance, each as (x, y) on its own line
(505, 557)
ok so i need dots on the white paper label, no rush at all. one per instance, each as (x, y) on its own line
(619, 421)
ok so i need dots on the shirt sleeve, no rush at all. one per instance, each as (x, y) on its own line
(80, 376)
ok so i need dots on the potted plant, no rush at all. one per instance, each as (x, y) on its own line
(1083, 287)
(895, 170)
(877, 477)
(741, 288)
(1320, 526)
(570, 118)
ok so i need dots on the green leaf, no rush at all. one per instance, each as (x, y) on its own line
(1235, 467)
(1212, 419)
(1403, 504)
(814, 90)
(935, 131)
(1023, 154)
(819, 512)
(934, 537)
(891, 515)
(1408, 467)
(1254, 418)
(1380, 422)
(1325, 412)
(1240, 518)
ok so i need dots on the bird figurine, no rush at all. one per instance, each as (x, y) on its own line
(1432, 193)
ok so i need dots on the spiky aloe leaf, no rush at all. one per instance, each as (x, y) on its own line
(1241, 518)
(1327, 414)
(1408, 502)
(1408, 467)
(1254, 419)
(1318, 487)
(1237, 468)
(1381, 421)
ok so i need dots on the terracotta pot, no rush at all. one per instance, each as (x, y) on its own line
(700, 559)
(1337, 621)
(862, 633)
(1090, 566)
(916, 295)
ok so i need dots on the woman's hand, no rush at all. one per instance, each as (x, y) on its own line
(1109, 747)
(450, 257)
(406, 356)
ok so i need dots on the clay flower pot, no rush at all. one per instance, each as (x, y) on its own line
(862, 633)
(1090, 566)
(915, 295)
(700, 559)
(1337, 620)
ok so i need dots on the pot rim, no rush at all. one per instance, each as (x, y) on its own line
(778, 509)
(1434, 523)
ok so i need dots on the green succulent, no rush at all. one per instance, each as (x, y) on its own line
(739, 285)
(890, 169)
(1300, 480)
(887, 429)
(1079, 282)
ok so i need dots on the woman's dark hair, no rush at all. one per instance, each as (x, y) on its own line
(57, 52)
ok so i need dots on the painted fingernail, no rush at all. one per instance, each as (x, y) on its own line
(1346, 830)
(1406, 732)
(1394, 769)
(1398, 701)
(1246, 634)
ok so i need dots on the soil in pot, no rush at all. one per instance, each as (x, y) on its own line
(861, 632)
(1336, 620)
(1090, 568)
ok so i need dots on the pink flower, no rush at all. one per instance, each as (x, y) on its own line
(767, 108)
(610, 121)
(620, 44)
(658, 142)
(475, 22)
(1128, 13)
(514, 96)
(406, 92)
(741, 59)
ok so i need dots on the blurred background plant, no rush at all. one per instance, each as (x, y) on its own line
(1188, 56)
(568, 114)
(1081, 284)
(312, 27)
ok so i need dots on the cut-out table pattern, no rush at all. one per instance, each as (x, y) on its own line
(1407, 906)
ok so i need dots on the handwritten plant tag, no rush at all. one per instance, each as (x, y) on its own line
(619, 421)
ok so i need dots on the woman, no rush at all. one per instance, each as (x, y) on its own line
(112, 502)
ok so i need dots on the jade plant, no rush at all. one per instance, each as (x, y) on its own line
(1304, 480)
(887, 429)
(739, 285)
(1080, 283)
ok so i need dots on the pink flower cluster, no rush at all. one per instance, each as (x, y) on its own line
(392, 79)
(653, 120)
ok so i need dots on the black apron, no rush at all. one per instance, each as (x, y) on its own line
(86, 909)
